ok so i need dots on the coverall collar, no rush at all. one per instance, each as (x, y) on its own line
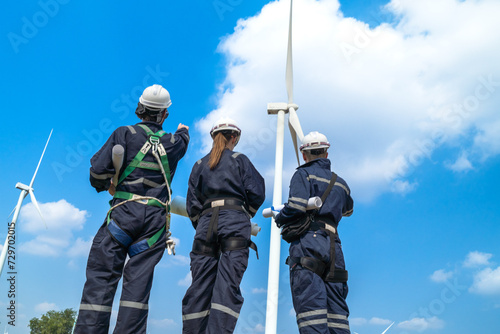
(320, 162)
(152, 125)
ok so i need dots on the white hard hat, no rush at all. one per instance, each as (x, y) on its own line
(223, 124)
(155, 97)
(314, 140)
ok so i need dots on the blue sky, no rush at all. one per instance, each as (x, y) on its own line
(407, 93)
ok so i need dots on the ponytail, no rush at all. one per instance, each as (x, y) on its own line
(219, 145)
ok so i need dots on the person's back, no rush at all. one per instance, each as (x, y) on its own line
(318, 277)
(224, 191)
(137, 223)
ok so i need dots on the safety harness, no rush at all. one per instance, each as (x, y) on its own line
(211, 246)
(154, 144)
(326, 271)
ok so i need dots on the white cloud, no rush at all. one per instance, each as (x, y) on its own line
(45, 307)
(61, 218)
(462, 164)
(476, 259)
(259, 328)
(80, 247)
(386, 97)
(486, 282)
(357, 321)
(421, 324)
(441, 275)
(259, 290)
(186, 281)
(292, 312)
(379, 321)
(177, 260)
(163, 323)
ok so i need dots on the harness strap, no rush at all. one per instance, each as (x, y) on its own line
(144, 244)
(153, 140)
(162, 165)
(211, 246)
(235, 243)
(126, 241)
(319, 268)
(204, 248)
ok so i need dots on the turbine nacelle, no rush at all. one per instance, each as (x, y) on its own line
(24, 187)
(274, 108)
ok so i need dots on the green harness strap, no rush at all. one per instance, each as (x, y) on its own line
(153, 139)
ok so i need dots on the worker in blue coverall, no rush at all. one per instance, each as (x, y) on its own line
(225, 191)
(137, 223)
(317, 270)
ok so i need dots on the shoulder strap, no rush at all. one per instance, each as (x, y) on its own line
(137, 161)
(330, 186)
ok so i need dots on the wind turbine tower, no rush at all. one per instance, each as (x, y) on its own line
(280, 109)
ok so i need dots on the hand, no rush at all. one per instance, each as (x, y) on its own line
(170, 246)
(112, 189)
(182, 126)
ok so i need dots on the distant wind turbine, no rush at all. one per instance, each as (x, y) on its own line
(296, 132)
(25, 190)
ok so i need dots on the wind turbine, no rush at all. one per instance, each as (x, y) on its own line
(25, 190)
(296, 132)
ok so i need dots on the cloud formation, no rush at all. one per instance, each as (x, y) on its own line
(62, 220)
(387, 95)
(421, 324)
(486, 282)
(477, 259)
(441, 275)
(45, 307)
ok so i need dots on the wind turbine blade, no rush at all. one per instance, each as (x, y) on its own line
(36, 170)
(35, 203)
(289, 60)
(388, 328)
(294, 140)
(11, 213)
(295, 130)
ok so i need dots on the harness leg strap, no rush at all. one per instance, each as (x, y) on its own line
(118, 234)
(236, 243)
(201, 247)
(316, 266)
(334, 275)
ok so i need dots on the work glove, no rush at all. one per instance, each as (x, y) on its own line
(170, 244)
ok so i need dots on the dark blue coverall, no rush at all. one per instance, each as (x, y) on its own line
(139, 222)
(320, 306)
(213, 301)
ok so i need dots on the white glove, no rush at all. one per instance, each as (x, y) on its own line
(170, 244)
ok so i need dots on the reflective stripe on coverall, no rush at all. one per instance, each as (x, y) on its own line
(213, 301)
(320, 306)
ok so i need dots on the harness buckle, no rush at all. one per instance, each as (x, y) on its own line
(155, 140)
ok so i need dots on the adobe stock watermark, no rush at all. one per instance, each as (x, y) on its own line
(448, 295)
(223, 6)
(123, 107)
(31, 26)
(257, 317)
(362, 38)
(451, 117)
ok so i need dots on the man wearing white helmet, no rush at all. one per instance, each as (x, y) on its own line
(224, 191)
(137, 223)
(317, 271)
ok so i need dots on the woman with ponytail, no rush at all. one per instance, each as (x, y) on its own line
(225, 191)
